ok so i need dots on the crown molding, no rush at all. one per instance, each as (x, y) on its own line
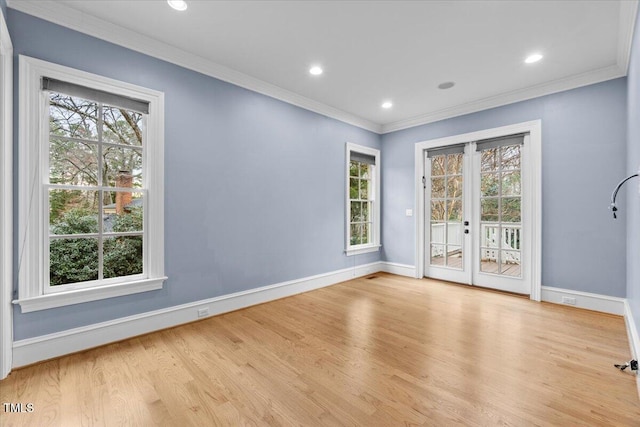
(560, 85)
(628, 13)
(73, 19)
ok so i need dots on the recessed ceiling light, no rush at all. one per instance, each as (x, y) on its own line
(315, 70)
(533, 58)
(178, 4)
(387, 104)
(446, 85)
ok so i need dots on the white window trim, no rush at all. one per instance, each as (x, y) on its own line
(375, 232)
(6, 199)
(32, 200)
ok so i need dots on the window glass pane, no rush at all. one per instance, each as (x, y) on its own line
(437, 254)
(510, 157)
(356, 211)
(489, 160)
(122, 211)
(353, 169)
(454, 256)
(365, 171)
(356, 230)
(489, 210)
(511, 209)
(72, 261)
(437, 188)
(73, 212)
(353, 188)
(454, 164)
(121, 126)
(122, 256)
(122, 167)
(489, 184)
(437, 210)
(365, 211)
(454, 186)
(366, 238)
(364, 189)
(437, 165)
(72, 117)
(72, 163)
(438, 232)
(511, 183)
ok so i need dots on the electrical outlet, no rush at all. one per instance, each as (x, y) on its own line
(202, 312)
(569, 300)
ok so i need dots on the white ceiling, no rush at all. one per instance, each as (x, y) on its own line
(373, 51)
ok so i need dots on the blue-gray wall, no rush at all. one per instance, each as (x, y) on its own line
(254, 186)
(583, 157)
(632, 210)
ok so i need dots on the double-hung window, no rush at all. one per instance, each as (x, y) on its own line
(362, 199)
(90, 189)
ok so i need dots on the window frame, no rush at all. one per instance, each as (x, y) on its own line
(374, 191)
(33, 205)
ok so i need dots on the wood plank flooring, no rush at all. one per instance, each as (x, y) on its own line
(387, 351)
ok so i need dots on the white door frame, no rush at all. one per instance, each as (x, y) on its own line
(534, 165)
(6, 198)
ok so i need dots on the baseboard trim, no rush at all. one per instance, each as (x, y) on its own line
(634, 337)
(37, 349)
(399, 269)
(589, 301)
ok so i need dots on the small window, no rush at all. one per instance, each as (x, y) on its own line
(93, 208)
(362, 199)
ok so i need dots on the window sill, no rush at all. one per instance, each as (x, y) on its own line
(362, 250)
(60, 299)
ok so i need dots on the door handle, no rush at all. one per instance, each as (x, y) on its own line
(466, 231)
(466, 223)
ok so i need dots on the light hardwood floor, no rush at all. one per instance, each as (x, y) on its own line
(387, 351)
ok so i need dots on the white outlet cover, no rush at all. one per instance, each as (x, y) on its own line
(409, 212)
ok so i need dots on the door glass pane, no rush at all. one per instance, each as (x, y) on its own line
(437, 188)
(438, 210)
(437, 166)
(438, 232)
(454, 210)
(455, 231)
(437, 254)
(510, 263)
(454, 186)
(454, 164)
(454, 256)
(511, 183)
(501, 211)
(490, 184)
(446, 229)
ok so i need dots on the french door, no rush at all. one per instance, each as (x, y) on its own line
(476, 216)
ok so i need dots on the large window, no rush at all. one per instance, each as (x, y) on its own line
(90, 187)
(363, 199)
